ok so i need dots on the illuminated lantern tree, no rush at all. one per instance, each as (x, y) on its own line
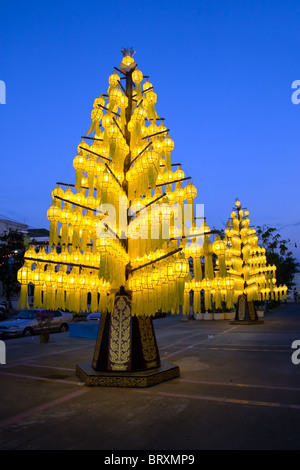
(120, 242)
(212, 286)
(247, 265)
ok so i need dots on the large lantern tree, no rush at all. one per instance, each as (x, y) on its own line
(119, 239)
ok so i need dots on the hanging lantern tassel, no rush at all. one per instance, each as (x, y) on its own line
(207, 300)
(96, 116)
(77, 300)
(197, 301)
(37, 300)
(60, 299)
(190, 216)
(23, 302)
(78, 179)
(94, 301)
(112, 103)
(186, 303)
(70, 299)
(222, 265)
(123, 116)
(180, 290)
(191, 193)
(209, 269)
(53, 215)
(151, 112)
(197, 269)
(138, 91)
(111, 304)
(104, 269)
(152, 176)
(53, 239)
(138, 132)
(83, 300)
(53, 298)
(103, 302)
(123, 103)
(79, 163)
(65, 234)
(218, 299)
(76, 232)
(112, 148)
(137, 77)
(168, 160)
(24, 278)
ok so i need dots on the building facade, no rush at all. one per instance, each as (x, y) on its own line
(8, 224)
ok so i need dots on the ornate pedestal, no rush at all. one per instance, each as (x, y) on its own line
(246, 312)
(126, 352)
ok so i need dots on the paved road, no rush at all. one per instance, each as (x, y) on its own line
(238, 390)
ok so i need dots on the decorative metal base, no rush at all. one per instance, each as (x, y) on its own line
(246, 312)
(125, 343)
(126, 352)
(142, 379)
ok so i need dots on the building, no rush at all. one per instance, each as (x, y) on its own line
(34, 235)
(39, 235)
(7, 224)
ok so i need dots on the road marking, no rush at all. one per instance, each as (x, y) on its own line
(231, 384)
(43, 379)
(196, 344)
(251, 349)
(38, 409)
(29, 364)
(31, 358)
(232, 401)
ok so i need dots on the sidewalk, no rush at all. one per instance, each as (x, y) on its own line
(238, 390)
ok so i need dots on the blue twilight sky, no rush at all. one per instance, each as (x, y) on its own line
(222, 70)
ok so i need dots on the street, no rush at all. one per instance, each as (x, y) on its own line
(238, 389)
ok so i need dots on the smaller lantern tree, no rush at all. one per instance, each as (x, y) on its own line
(247, 265)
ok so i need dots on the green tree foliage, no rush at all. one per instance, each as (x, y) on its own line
(12, 249)
(278, 252)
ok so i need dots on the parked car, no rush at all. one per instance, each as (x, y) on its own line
(93, 316)
(3, 307)
(25, 324)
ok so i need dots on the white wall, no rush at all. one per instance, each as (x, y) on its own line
(5, 225)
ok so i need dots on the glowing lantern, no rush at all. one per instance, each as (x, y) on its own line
(79, 165)
(65, 218)
(168, 146)
(53, 215)
(24, 278)
(113, 80)
(137, 77)
(123, 103)
(181, 268)
(128, 61)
